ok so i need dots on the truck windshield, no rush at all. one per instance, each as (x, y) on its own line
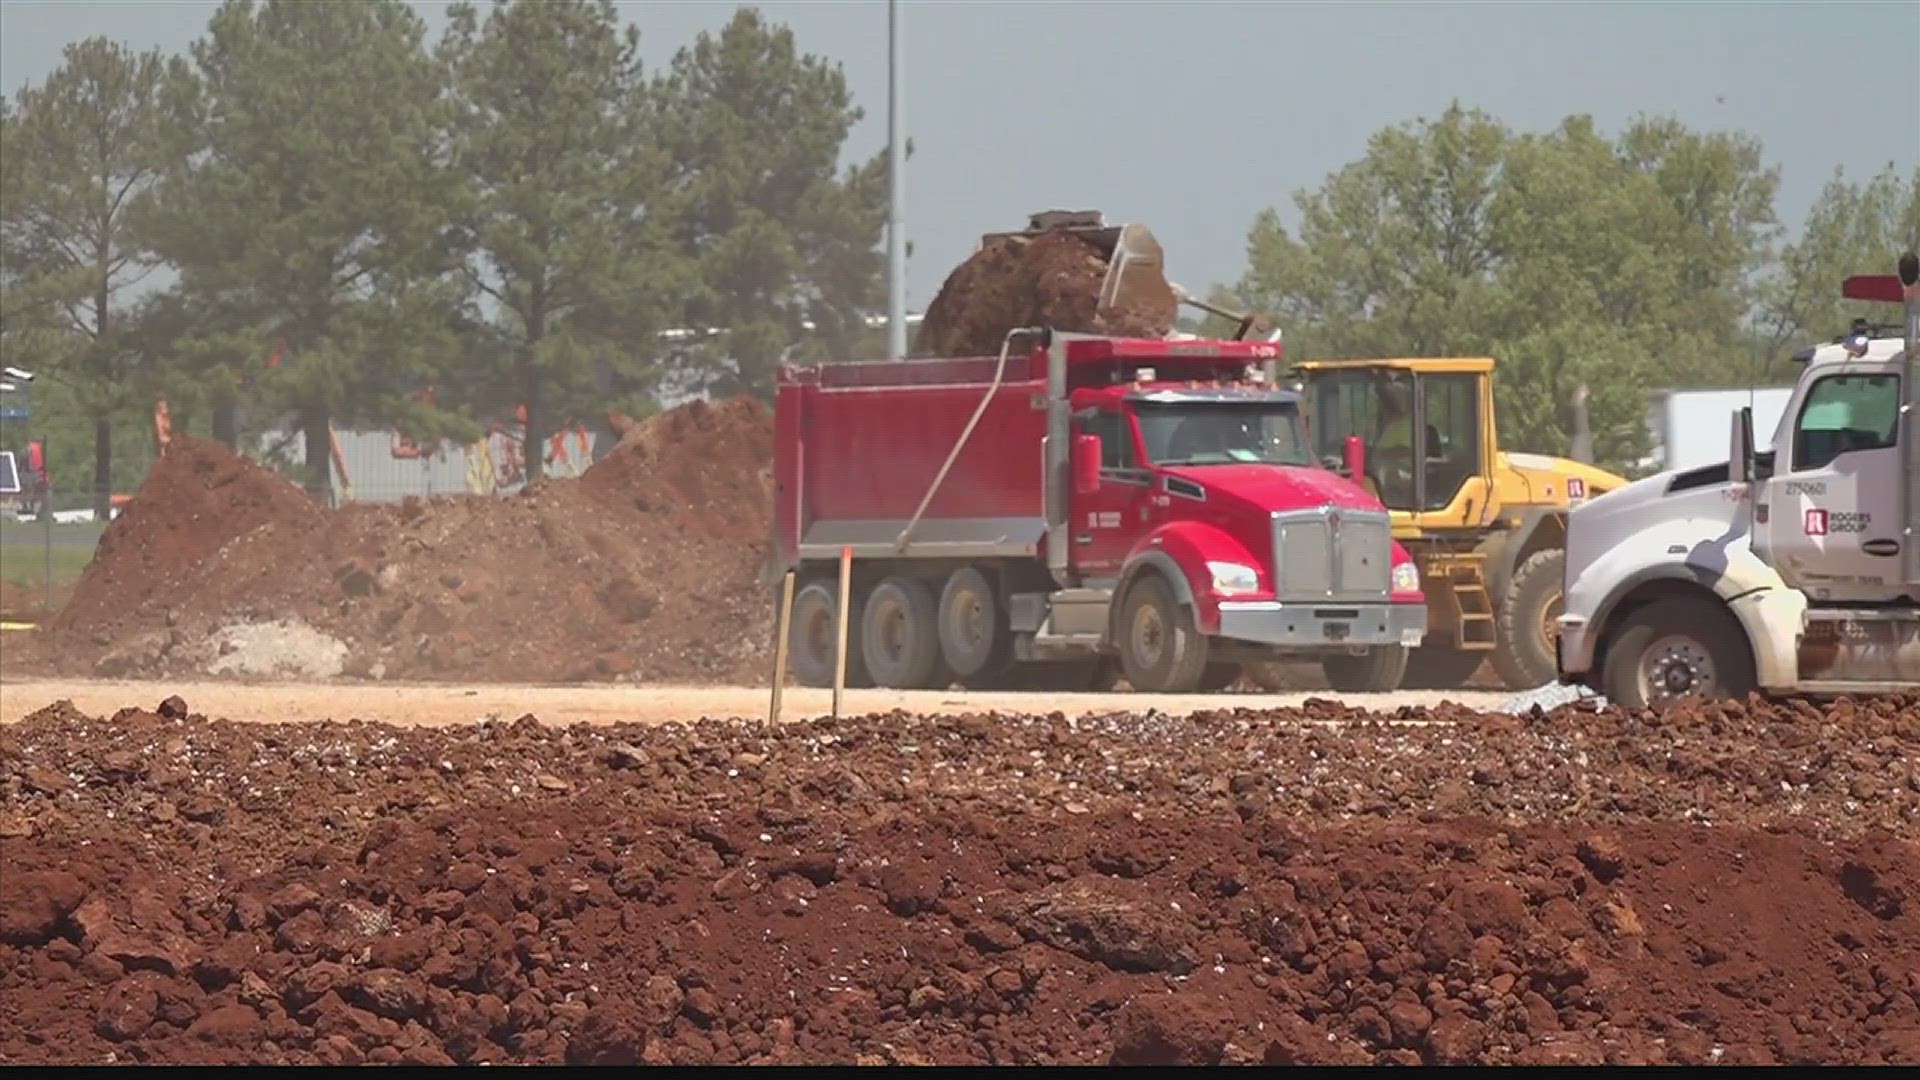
(1223, 433)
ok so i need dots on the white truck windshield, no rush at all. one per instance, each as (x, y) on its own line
(1223, 433)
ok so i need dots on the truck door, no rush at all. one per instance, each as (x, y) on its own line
(1832, 506)
(1106, 524)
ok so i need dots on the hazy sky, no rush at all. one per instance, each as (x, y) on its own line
(1193, 116)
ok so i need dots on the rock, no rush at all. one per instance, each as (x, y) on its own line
(173, 708)
(701, 1005)
(1408, 1022)
(291, 901)
(1603, 857)
(33, 905)
(1171, 1029)
(1095, 918)
(229, 1025)
(548, 782)
(127, 1011)
(626, 756)
(604, 1037)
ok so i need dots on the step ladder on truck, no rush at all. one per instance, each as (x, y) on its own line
(1792, 568)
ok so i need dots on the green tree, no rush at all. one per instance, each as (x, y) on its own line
(785, 244)
(1573, 258)
(315, 207)
(1394, 252)
(85, 149)
(559, 231)
(1852, 229)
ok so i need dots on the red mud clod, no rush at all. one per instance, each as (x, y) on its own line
(1051, 280)
(380, 894)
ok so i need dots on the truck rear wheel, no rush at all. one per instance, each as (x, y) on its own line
(1160, 650)
(973, 631)
(900, 635)
(1376, 671)
(1683, 647)
(1527, 630)
(1435, 667)
(811, 636)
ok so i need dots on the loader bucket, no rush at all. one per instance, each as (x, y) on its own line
(1136, 265)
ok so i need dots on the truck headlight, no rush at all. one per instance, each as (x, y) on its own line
(1406, 578)
(1229, 577)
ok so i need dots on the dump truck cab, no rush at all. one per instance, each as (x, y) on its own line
(1486, 527)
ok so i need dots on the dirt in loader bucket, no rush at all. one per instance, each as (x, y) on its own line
(1068, 271)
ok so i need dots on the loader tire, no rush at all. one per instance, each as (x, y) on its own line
(1377, 671)
(1161, 652)
(900, 636)
(811, 636)
(1525, 631)
(1683, 647)
(1436, 667)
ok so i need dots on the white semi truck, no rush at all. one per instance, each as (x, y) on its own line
(1794, 569)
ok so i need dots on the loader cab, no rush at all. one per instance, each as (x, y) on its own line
(1385, 403)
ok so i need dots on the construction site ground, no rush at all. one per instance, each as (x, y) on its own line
(437, 703)
(1320, 883)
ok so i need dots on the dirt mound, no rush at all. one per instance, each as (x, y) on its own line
(1050, 280)
(645, 568)
(196, 499)
(1235, 888)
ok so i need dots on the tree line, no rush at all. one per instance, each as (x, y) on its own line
(1647, 259)
(320, 214)
(364, 226)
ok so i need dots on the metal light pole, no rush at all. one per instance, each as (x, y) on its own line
(896, 155)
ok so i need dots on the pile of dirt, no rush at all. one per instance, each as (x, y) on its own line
(196, 499)
(1730, 884)
(645, 568)
(1051, 280)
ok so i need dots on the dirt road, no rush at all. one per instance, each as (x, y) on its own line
(431, 704)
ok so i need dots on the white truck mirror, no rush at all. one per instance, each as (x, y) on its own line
(1740, 447)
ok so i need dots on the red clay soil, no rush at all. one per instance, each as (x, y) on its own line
(1051, 280)
(197, 499)
(1727, 884)
(644, 568)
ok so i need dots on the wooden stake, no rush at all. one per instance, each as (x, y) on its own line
(780, 647)
(840, 652)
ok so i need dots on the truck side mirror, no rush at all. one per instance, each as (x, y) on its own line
(1086, 464)
(1740, 447)
(1356, 458)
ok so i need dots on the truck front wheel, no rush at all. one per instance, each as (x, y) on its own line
(812, 637)
(1527, 625)
(1684, 647)
(1376, 671)
(901, 635)
(1160, 650)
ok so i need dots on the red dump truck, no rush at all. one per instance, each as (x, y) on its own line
(1078, 507)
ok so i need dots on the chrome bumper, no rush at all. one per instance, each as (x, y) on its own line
(1326, 626)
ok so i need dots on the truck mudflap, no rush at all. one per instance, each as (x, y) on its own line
(1308, 626)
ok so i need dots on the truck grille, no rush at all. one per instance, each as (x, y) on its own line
(1332, 554)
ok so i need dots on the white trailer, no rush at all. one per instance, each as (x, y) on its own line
(1791, 569)
(1690, 426)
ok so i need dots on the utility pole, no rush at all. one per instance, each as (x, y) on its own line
(896, 155)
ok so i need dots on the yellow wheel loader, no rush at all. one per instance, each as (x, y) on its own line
(1487, 527)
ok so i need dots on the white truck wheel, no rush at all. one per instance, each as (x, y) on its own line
(1683, 647)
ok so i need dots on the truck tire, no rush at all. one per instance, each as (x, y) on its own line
(1219, 677)
(974, 638)
(810, 636)
(1686, 646)
(1524, 631)
(1376, 671)
(1435, 667)
(1160, 651)
(900, 635)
